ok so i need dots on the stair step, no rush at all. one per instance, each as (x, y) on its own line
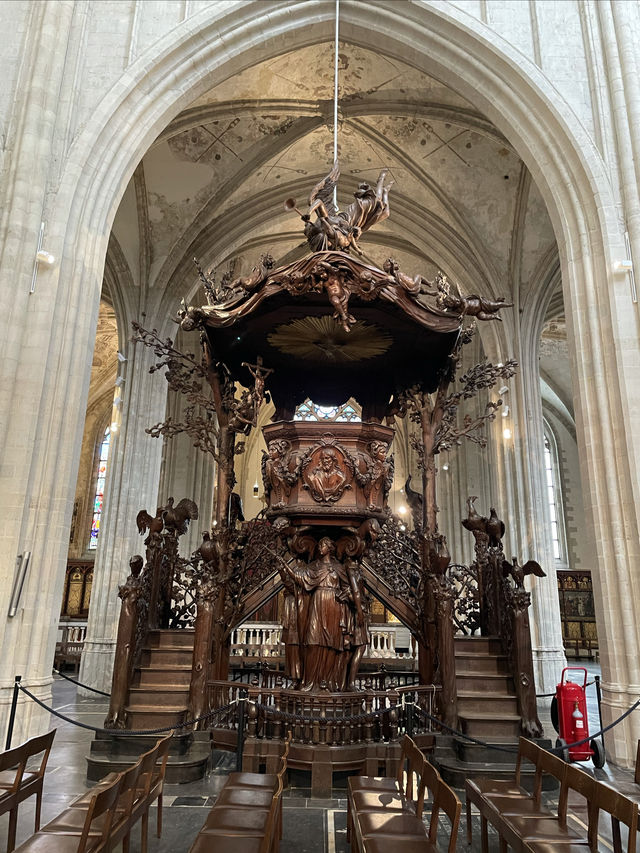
(143, 717)
(491, 682)
(147, 676)
(488, 645)
(171, 637)
(484, 726)
(167, 657)
(480, 664)
(169, 695)
(187, 762)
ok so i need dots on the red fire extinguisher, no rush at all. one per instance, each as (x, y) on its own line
(569, 717)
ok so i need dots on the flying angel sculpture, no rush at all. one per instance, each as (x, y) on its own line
(340, 230)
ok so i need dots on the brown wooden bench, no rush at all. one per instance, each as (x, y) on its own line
(385, 813)
(523, 824)
(94, 832)
(32, 779)
(247, 814)
(152, 767)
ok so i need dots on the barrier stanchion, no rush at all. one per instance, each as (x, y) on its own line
(241, 715)
(409, 724)
(12, 715)
(599, 698)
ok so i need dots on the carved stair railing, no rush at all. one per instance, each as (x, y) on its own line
(149, 596)
(402, 571)
(491, 599)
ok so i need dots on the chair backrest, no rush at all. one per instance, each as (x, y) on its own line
(41, 744)
(528, 751)
(129, 786)
(162, 755)
(431, 783)
(622, 810)
(413, 785)
(104, 803)
(447, 802)
(637, 773)
(266, 844)
(407, 744)
(581, 783)
(553, 766)
(285, 753)
(14, 759)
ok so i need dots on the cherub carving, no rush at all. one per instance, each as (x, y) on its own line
(276, 476)
(471, 306)
(379, 475)
(415, 285)
(338, 295)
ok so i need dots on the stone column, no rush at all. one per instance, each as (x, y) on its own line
(132, 484)
(46, 339)
(522, 501)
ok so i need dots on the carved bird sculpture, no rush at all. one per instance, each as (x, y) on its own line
(473, 521)
(495, 528)
(177, 517)
(519, 573)
(208, 549)
(145, 522)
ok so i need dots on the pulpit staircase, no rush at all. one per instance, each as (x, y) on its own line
(487, 712)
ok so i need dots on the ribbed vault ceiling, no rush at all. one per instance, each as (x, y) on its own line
(214, 182)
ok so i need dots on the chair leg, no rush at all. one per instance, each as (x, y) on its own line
(145, 833)
(485, 835)
(503, 845)
(159, 815)
(38, 809)
(13, 825)
(468, 822)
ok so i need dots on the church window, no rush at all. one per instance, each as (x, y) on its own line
(98, 499)
(554, 498)
(309, 411)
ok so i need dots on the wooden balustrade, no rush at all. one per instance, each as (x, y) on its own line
(327, 719)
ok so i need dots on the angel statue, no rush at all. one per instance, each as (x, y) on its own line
(340, 230)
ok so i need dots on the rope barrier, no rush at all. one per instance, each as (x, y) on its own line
(129, 732)
(80, 684)
(551, 695)
(506, 749)
(348, 718)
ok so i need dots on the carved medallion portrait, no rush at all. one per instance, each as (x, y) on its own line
(327, 471)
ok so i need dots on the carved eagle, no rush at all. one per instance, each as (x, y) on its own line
(153, 524)
(178, 517)
(519, 573)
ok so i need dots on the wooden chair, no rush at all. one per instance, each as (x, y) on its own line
(12, 764)
(445, 800)
(245, 838)
(389, 785)
(94, 835)
(477, 790)
(32, 780)
(71, 821)
(622, 810)
(266, 781)
(156, 787)
(380, 828)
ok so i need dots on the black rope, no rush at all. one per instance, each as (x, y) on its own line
(126, 732)
(550, 695)
(347, 718)
(556, 749)
(80, 684)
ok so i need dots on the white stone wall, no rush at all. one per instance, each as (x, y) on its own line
(85, 89)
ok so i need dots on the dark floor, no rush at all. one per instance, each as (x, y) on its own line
(310, 826)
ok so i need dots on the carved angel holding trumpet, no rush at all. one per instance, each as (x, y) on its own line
(340, 230)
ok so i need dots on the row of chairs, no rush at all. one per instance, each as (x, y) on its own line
(17, 783)
(522, 822)
(247, 814)
(386, 814)
(103, 817)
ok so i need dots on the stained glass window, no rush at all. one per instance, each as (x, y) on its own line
(99, 494)
(308, 411)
